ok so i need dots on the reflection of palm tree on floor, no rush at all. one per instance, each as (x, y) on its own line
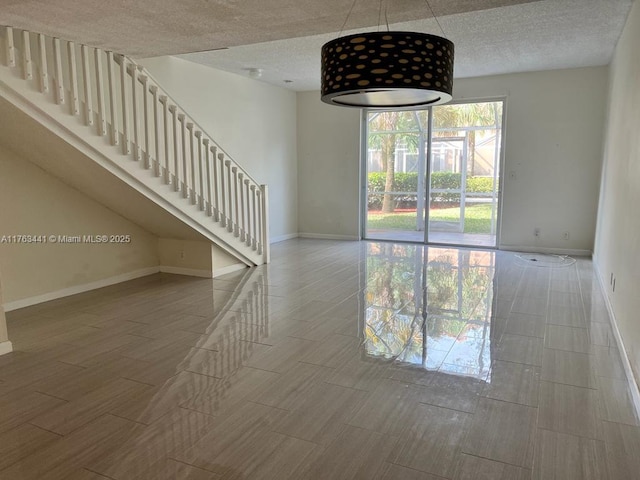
(397, 324)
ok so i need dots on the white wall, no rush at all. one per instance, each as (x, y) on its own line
(618, 234)
(252, 121)
(36, 203)
(328, 168)
(553, 144)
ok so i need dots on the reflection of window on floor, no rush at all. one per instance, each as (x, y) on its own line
(430, 307)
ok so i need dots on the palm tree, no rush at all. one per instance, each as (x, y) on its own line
(387, 131)
(488, 114)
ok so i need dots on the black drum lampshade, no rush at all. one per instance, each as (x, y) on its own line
(387, 70)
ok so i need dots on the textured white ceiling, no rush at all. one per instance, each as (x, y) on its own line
(167, 27)
(542, 35)
(283, 37)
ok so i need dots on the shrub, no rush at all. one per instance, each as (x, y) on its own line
(480, 184)
(408, 182)
(403, 182)
(445, 180)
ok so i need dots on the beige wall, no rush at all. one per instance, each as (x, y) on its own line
(553, 145)
(618, 235)
(190, 257)
(222, 261)
(3, 321)
(252, 121)
(36, 203)
(186, 254)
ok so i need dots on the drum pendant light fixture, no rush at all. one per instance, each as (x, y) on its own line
(387, 70)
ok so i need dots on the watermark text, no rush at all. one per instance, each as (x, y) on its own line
(64, 239)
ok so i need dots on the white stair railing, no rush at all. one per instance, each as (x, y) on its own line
(116, 98)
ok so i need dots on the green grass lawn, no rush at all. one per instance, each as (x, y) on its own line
(477, 219)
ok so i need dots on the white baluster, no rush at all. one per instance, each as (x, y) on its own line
(44, 71)
(102, 127)
(126, 144)
(183, 159)
(57, 55)
(86, 76)
(11, 49)
(254, 196)
(73, 79)
(207, 162)
(147, 126)
(223, 190)
(243, 216)
(236, 202)
(156, 130)
(26, 55)
(216, 184)
(200, 195)
(142, 122)
(264, 216)
(111, 64)
(174, 122)
(231, 221)
(167, 150)
(249, 233)
(259, 235)
(134, 110)
(192, 159)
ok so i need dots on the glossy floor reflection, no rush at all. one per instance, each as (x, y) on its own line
(430, 307)
(340, 360)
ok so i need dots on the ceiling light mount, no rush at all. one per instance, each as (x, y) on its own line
(255, 72)
(387, 70)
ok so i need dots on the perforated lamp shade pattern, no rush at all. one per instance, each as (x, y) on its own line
(387, 69)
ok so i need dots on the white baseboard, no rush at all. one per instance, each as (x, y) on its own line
(546, 250)
(218, 272)
(191, 272)
(282, 238)
(631, 379)
(6, 347)
(328, 236)
(66, 292)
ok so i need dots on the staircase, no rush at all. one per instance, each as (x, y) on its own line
(112, 109)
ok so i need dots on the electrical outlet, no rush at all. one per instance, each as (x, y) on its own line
(181, 254)
(536, 232)
(565, 235)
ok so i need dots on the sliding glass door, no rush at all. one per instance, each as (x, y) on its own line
(438, 168)
(395, 176)
(464, 173)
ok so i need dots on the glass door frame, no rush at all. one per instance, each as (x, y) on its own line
(426, 135)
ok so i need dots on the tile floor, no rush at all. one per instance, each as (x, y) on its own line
(340, 360)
